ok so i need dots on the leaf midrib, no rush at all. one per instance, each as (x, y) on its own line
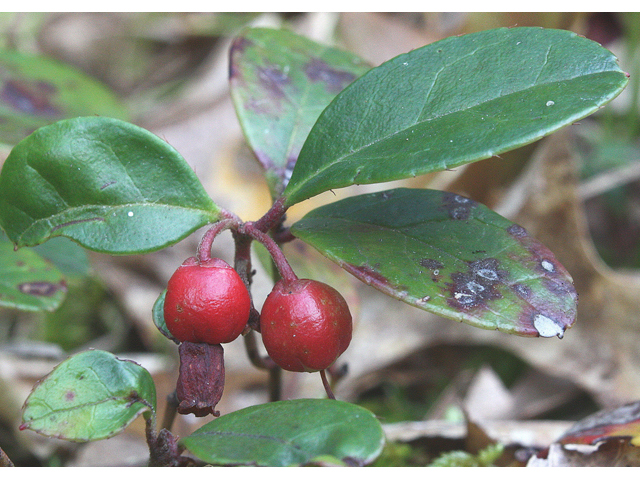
(353, 152)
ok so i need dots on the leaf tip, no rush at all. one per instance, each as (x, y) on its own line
(548, 327)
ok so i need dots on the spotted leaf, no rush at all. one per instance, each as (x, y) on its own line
(449, 255)
(36, 91)
(28, 281)
(280, 82)
(90, 396)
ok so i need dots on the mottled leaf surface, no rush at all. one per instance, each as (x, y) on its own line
(448, 255)
(90, 396)
(36, 91)
(109, 185)
(455, 101)
(288, 433)
(280, 82)
(28, 281)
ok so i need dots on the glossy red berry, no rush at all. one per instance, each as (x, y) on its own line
(206, 302)
(305, 325)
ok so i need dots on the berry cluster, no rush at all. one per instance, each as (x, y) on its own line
(305, 325)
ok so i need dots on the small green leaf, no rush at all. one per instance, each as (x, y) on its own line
(28, 281)
(90, 396)
(448, 255)
(111, 186)
(456, 101)
(280, 83)
(290, 432)
(36, 91)
(158, 317)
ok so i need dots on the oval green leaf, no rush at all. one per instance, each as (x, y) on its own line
(109, 185)
(28, 281)
(456, 101)
(90, 396)
(280, 83)
(448, 255)
(36, 91)
(290, 432)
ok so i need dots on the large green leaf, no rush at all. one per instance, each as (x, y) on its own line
(111, 186)
(453, 102)
(36, 91)
(280, 82)
(28, 281)
(90, 396)
(448, 255)
(290, 432)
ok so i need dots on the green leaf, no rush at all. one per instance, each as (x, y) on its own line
(158, 318)
(28, 281)
(448, 255)
(111, 186)
(456, 101)
(90, 396)
(290, 432)
(280, 83)
(69, 257)
(36, 91)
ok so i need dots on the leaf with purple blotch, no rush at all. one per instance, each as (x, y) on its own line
(280, 83)
(448, 255)
(36, 90)
(28, 281)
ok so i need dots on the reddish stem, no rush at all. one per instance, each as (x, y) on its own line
(285, 270)
(327, 386)
(204, 248)
(273, 216)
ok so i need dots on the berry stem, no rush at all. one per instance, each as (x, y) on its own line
(327, 386)
(204, 248)
(281, 262)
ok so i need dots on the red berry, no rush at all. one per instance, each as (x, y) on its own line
(206, 302)
(305, 325)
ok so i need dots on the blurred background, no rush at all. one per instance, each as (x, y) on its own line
(578, 191)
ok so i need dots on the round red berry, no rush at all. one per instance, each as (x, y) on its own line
(305, 325)
(206, 302)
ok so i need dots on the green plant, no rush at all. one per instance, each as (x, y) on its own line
(317, 119)
(305, 325)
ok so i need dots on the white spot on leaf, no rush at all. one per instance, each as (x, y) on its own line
(546, 327)
(548, 266)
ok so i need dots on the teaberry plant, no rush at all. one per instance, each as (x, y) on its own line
(317, 119)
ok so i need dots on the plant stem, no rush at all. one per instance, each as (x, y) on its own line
(273, 217)
(281, 262)
(257, 360)
(204, 248)
(170, 410)
(327, 386)
(275, 384)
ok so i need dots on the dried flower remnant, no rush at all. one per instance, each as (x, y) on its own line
(201, 378)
